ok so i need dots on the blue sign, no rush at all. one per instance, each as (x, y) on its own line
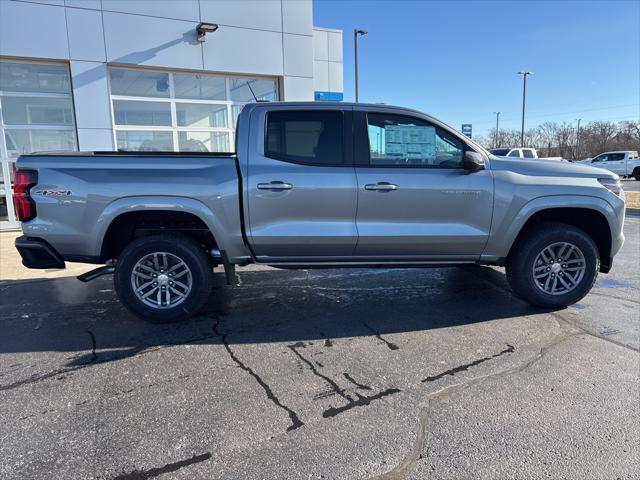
(328, 96)
(466, 129)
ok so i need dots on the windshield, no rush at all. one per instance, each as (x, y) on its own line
(500, 152)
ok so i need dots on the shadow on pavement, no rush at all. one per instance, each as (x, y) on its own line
(65, 315)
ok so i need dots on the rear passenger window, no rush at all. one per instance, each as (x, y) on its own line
(615, 157)
(528, 153)
(311, 137)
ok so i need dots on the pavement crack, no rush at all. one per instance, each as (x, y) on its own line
(335, 388)
(169, 467)
(409, 462)
(392, 346)
(602, 336)
(359, 385)
(94, 356)
(295, 420)
(362, 400)
(467, 366)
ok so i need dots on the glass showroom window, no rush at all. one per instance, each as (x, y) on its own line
(185, 112)
(36, 114)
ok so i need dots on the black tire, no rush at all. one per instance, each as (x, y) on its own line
(180, 247)
(520, 264)
(636, 173)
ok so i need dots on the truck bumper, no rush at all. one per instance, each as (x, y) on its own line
(36, 253)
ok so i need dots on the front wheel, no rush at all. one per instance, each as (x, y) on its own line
(554, 266)
(163, 277)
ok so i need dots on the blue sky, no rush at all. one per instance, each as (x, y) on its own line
(457, 60)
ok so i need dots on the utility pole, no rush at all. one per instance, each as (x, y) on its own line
(578, 140)
(497, 114)
(524, 74)
(357, 32)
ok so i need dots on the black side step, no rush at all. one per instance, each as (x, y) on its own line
(95, 273)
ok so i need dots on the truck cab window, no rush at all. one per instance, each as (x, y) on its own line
(514, 153)
(527, 153)
(311, 137)
(396, 140)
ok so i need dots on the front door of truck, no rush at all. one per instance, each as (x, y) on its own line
(415, 201)
(302, 191)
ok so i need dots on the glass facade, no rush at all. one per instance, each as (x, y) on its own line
(36, 114)
(185, 112)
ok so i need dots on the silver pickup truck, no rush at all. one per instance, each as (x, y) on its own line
(317, 185)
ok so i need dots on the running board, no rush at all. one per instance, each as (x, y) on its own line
(95, 273)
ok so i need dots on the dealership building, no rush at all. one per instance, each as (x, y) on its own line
(151, 74)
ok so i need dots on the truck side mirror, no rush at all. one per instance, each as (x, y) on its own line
(472, 161)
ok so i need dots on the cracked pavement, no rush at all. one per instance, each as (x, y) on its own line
(388, 374)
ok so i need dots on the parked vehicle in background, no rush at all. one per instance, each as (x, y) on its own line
(318, 185)
(624, 163)
(521, 152)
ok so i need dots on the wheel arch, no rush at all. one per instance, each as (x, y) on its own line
(595, 216)
(124, 219)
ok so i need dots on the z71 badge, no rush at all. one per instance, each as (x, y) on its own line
(53, 193)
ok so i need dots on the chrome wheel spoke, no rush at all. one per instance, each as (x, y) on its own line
(559, 268)
(153, 280)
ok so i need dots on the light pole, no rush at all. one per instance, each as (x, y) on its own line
(524, 74)
(497, 114)
(578, 140)
(357, 32)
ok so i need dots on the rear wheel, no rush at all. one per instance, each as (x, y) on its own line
(636, 173)
(163, 277)
(555, 265)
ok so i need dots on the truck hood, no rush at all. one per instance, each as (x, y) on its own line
(549, 168)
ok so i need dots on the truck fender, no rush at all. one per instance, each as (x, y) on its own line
(502, 239)
(173, 203)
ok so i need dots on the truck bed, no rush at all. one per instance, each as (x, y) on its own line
(85, 191)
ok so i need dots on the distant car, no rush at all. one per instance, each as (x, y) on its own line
(521, 152)
(625, 163)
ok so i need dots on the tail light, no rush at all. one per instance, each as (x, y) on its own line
(24, 204)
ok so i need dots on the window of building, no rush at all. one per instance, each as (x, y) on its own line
(397, 140)
(36, 114)
(185, 112)
(305, 137)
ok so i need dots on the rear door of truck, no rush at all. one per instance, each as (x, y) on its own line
(301, 186)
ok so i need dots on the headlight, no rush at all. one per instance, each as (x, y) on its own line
(612, 184)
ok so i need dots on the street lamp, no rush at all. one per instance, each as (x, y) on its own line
(578, 140)
(357, 32)
(524, 74)
(497, 114)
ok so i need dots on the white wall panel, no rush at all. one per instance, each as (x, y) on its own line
(182, 10)
(335, 46)
(259, 14)
(90, 94)
(91, 139)
(335, 77)
(243, 51)
(86, 39)
(320, 45)
(298, 89)
(151, 41)
(94, 4)
(298, 55)
(297, 16)
(320, 76)
(33, 30)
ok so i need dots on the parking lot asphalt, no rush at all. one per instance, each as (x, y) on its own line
(388, 374)
(631, 185)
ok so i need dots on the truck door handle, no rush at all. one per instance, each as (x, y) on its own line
(275, 185)
(381, 186)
